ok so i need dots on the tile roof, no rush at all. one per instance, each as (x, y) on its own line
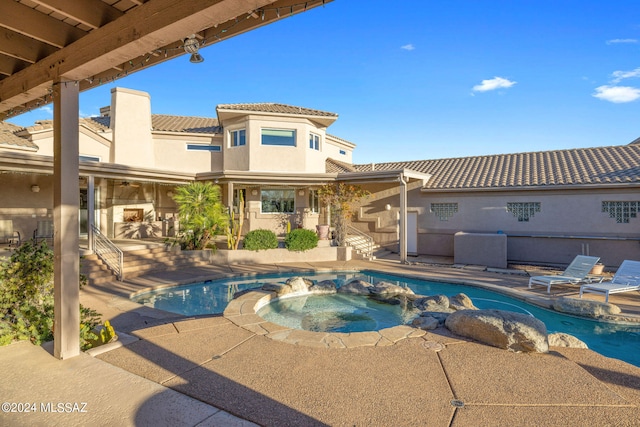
(189, 124)
(336, 166)
(268, 107)
(8, 136)
(585, 166)
(166, 123)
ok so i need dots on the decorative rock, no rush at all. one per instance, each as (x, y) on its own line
(560, 339)
(425, 323)
(461, 302)
(279, 288)
(356, 286)
(585, 307)
(323, 288)
(298, 284)
(389, 289)
(439, 303)
(503, 329)
(440, 317)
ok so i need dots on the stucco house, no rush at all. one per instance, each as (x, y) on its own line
(545, 207)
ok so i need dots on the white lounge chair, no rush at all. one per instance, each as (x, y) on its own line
(575, 273)
(626, 279)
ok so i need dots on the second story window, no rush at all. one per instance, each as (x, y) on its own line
(314, 141)
(238, 137)
(282, 137)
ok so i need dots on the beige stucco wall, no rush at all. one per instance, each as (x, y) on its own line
(131, 124)
(23, 206)
(170, 153)
(570, 222)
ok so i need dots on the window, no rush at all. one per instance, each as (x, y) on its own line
(344, 153)
(314, 201)
(88, 158)
(523, 210)
(282, 137)
(621, 211)
(238, 137)
(278, 201)
(314, 141)
(444, 211)
(204, 147)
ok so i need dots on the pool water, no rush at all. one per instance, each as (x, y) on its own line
(211, 297)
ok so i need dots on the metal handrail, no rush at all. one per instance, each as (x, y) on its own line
(366, 248)
(108, 252)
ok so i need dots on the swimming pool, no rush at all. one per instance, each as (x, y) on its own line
(211, 297)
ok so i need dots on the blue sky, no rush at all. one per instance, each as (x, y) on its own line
(424, 79)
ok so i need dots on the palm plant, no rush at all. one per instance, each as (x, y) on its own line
(201, 214)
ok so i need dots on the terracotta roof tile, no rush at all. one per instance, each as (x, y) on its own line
(185, 124)
(585, 166)
(8, 137)
(336, 166)
(267, 107)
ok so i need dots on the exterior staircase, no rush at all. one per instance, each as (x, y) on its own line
(363, 245)
(140, 260)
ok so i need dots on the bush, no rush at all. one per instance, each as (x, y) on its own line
(26, 297)
(301, 240)
(257, 240)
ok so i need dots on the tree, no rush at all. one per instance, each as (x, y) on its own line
(341, 198)
(201, 214)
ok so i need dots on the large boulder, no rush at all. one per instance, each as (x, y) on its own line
(503, 329)
(299, 284)
(437, 303)
(356, 286)
(560, 339)
(324, 287)
(461, 302)
(279, 288)
(386, 289)
(585, 307)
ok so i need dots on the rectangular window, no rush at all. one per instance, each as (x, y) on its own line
(444, 211)
(282, 137)
(238, 137)
(204, 147)
(314, 201)
(314, 141)
(344, 153)
(88, 158)
(278, 201)
(523, 210)
(621, 211)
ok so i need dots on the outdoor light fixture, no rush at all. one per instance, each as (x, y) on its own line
(35, 188)
(191, 45)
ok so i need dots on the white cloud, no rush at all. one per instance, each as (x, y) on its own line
(493, 84)
(408, 47)
(47, 109)
(617, 94)
(621, 75)
(616, 41)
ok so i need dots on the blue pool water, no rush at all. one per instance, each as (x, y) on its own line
(211, 297)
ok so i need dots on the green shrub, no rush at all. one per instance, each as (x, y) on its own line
(26, 297)
(257, 240)
(301, 240)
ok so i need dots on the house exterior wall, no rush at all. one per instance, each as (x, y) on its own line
(170, 153)
(570, 222)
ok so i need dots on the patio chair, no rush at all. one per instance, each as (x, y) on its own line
(8, 234)
(44, 231)
(626, 279)
(575, 273)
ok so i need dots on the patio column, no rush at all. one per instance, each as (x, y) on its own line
(230, 197)
(403, 220)
(91, 210)
(66, 193)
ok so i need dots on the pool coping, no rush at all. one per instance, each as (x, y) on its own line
(242, 311)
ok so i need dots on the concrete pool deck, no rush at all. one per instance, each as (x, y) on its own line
(208, 371)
